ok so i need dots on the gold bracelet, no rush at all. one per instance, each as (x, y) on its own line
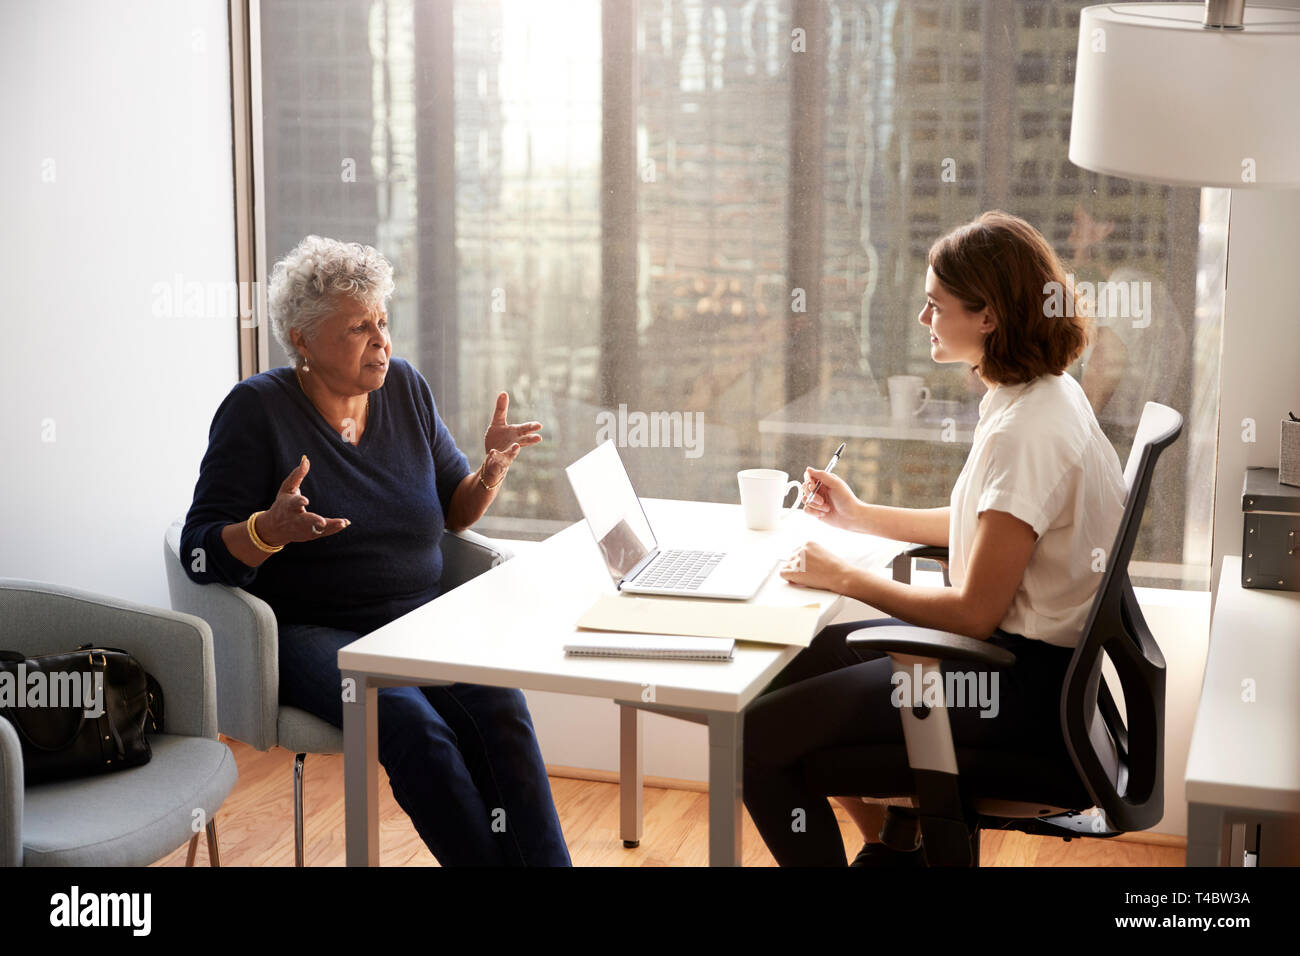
(484, 483)
(258, 542)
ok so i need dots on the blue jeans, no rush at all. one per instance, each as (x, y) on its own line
(462, 760)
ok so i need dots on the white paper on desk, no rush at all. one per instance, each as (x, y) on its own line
(868, 552)
(689, 616)
(859, 550)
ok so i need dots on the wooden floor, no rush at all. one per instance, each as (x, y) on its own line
(255, 826)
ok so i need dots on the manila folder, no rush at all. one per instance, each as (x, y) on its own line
(694, 617)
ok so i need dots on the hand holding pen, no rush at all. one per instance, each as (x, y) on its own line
(835, 458)
(828, 497)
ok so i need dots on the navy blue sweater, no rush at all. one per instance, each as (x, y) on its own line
(395, 487)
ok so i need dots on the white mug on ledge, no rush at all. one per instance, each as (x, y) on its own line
(762, 495)
(905, 391)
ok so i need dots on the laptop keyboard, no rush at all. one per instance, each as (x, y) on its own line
(680, 570)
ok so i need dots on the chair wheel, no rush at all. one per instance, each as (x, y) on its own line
(631, 844)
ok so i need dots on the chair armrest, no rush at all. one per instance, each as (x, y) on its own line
(926, 642)
(902, 563)
(179, 655)
(467, 554)
(11, 796)
(175, 648)
(245, 648)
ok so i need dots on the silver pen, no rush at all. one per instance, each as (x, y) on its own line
(830, 467)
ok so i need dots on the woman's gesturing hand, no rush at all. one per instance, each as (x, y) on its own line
(835, 503)
(502, 441)
(289, 520)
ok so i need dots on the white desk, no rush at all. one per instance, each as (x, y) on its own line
(1244, 761)
(508, 627)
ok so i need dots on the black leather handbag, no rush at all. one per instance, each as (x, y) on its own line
(80, 713)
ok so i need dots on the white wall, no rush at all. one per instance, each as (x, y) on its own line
(116, 175)
(1260, 367)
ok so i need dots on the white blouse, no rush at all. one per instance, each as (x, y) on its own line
(1040, 455)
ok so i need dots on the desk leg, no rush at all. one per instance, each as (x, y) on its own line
(631, 774)
(361, 771)
(1209, 835)
(725, 778)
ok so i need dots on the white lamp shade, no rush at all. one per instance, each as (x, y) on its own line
(1159, 98)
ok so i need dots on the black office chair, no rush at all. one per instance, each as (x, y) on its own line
(1113, 765)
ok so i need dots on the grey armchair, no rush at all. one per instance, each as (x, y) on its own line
(131, 817)
(246, 642)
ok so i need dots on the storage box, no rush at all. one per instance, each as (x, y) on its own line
(1270, 547)
(1288, 452)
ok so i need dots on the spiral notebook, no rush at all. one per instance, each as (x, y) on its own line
(656, 646)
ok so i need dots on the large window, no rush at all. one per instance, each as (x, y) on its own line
(701, 228)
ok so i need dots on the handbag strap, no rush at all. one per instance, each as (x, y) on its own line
(22, 731)
(17, 657)
(103, 720)
(12, 716)
(119, 749)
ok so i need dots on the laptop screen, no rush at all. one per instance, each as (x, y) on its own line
(610, 505)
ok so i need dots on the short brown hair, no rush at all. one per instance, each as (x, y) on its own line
(1001, 262)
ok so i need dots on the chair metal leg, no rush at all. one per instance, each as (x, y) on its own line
(214, 854)
(298, 762)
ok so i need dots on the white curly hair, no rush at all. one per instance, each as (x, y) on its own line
(306, 285)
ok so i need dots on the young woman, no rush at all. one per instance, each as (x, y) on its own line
(1030, 520)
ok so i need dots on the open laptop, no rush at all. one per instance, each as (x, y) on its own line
(631, 551)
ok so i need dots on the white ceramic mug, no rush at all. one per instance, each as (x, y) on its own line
(762, 495)
(904, 393)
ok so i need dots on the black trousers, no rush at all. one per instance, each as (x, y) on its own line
(829, 697)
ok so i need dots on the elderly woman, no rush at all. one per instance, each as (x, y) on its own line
(325, 490)
(1041, 494)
